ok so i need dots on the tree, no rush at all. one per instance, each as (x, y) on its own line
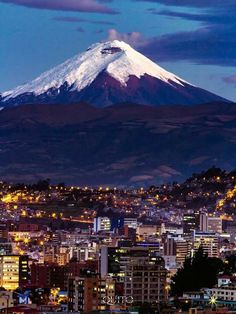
(230, 265)
(199, 271)
(41, 185)
(61, 185)
(146, 308)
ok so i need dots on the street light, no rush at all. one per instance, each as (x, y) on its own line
(213, 301)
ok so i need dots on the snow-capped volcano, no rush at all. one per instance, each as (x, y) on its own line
(108, 73)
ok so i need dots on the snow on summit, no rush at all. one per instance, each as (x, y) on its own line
(116, 58)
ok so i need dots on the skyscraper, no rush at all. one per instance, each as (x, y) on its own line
(14, 271)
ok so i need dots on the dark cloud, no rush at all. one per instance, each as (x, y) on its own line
(206, 45)
(208, 17)
(194, 3)
(214, 42)
(182, 15)
(71, 19)
(200, 17)
(230, 79)
(68, 5)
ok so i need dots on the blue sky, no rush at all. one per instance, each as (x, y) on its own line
(195, 39)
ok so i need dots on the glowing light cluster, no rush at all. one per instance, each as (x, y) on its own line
(229, 195)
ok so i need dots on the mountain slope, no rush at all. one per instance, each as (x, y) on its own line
(106, 74)
(125, 144)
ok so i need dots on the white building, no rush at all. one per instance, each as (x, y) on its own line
(83, 252)
(101, 224)
(131, 222)
(148, 230)
(224, 293)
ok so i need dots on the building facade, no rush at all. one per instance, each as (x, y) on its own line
(14, 271)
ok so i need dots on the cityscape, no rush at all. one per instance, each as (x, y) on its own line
(93, 250)
(117, 157)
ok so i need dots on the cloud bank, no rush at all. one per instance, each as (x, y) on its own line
(194, 3)
(213, 41)
(92, 6)
(72, 19)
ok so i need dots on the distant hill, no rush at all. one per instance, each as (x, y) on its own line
(119, 145)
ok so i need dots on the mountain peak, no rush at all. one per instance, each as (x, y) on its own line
(112, 44)
(119, 65)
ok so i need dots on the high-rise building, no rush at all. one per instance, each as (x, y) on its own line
(49, 276)
(178, 247)
(140, 270)
(14, 271)
(209, 241)
(190, 222)
(101, 224)
(145, 279)
(215, 224)
(89, 293)
(183, 249)
(210, 223)
(169, 246)
(113, 260)
(203, 226)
